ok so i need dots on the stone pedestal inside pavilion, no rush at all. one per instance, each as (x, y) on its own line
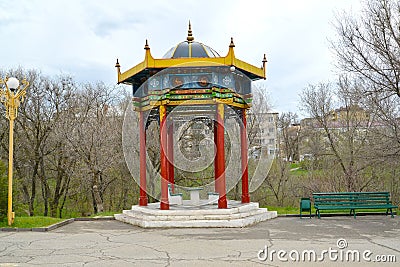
(236, 215)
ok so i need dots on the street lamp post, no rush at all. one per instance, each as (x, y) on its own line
(11, 95)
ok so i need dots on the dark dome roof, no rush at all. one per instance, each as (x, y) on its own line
(190, 49)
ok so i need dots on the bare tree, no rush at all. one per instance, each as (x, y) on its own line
(368, 46)
(68, 147)
(368, 49)
(345, 129)
(95, 136)
(260, 106)
(36, 139)
(289, 131)
(278, 181)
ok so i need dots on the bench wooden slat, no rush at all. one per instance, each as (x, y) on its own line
(351, 193)
(352, 201)
(352, 198)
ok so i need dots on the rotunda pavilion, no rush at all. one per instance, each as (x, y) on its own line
(193, 75)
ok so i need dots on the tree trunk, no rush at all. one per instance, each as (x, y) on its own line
(33, 196)
(53, 208)
(97, 200)
(57, 191)
(45, 188)
(65, 197)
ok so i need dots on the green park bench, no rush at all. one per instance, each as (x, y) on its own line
(335, 201)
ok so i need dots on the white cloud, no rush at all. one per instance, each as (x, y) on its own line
(84, 38)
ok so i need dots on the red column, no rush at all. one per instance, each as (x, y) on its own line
(215, 157)
(220, 158)
(164, 204)
(170, 154)
(245, 173)
(142, 161)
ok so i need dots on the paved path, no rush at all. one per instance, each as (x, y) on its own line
(112, 243)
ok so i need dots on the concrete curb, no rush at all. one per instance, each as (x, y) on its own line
(102, 218)
(56, 225)
(305, 215)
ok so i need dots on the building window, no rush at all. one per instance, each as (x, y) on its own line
(271, 141)
(264, 141)
(271, 130)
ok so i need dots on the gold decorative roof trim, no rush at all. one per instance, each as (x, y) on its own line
(229, 60)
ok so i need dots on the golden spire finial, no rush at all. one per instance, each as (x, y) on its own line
(190, 37)
(231, 44)
(264, 66)
(265, 59)
(146, 46)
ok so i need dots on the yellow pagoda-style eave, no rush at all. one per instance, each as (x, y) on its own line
(229, 60)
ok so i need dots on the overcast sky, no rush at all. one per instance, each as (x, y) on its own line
(84, 38)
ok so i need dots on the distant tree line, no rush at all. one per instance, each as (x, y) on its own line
(68, 150)
(352, 133)
(69, 161)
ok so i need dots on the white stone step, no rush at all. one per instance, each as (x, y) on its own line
(153, 209)
(242, 222)
(239, 215)
(194, 216)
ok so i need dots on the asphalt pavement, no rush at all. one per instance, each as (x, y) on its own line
(284, 241)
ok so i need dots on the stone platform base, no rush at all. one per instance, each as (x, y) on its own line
(236, 215)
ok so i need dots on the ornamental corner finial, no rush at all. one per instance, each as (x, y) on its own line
(231, 44)
(117, 64)
(190, 37)
(146, 46)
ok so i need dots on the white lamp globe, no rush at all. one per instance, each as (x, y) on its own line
(12, 83)
(232, 68)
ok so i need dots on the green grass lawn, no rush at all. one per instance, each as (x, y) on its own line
(294, 165)
(283, 210)
(297, 170)
(31, 222)
(42, 221)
